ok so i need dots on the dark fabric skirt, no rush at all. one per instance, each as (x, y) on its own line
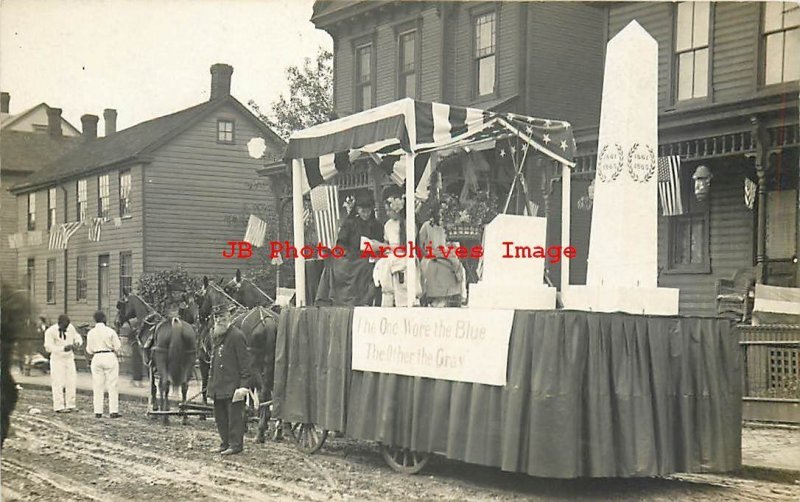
(588, 395)
(346, 282)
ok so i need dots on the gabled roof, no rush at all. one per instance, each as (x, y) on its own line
(24, 152)
(8, 120)
(131, 144)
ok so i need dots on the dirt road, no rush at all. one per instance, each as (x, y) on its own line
(77, 457)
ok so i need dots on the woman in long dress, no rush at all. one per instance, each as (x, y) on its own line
(442, 276)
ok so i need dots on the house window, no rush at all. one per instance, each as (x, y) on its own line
(51, 280)
(125, 273)
(80, 277)
(103, 197)
(82, 197)
(781, 42)
(485, 53)
(688, 233)
(31, 211)
(691, 49)
(30, 278)
(125, 193)
(364, 86)
(224, 131)
(51, 208)
(407, 71)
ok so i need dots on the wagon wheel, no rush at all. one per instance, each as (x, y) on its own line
(404, 460)
(308, 437)
(279, 429)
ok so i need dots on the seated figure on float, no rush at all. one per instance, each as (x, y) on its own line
(347, 281)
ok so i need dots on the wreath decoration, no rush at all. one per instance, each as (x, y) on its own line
(612, 171)
(638, 175)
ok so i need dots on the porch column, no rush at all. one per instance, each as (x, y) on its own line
(761, 232)
(411, 231)
(566, 196)
(299, 236)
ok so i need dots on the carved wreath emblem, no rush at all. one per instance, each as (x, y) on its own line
(641, 163)
(609, 163)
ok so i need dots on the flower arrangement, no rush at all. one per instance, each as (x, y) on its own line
(468, 217)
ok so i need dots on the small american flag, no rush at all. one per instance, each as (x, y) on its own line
(60, 235)
(325, 204)
(94, 229)
(669, 185)
(256, 231)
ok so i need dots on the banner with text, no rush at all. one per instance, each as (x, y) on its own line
(465, 345)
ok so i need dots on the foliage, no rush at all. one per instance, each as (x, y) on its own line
(155, 287)
(476, 212)
(310, 100)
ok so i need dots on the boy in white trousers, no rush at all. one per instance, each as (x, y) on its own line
(60, 340)
(103, 343)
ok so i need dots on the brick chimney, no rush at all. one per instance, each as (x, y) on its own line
(221, 80)
(5, 100)
(89, 123)
(54, 122)
(110, 120)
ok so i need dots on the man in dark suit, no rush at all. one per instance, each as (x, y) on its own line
(227, 382)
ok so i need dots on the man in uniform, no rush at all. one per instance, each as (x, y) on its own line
(227, 382)
(60, 340)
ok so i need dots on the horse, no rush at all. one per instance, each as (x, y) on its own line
(259, 324)
(172, 350)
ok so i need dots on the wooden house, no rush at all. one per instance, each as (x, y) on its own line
(169, 191)
(29, 140)
(728, 100)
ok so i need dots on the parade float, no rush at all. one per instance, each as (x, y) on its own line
(616, 384)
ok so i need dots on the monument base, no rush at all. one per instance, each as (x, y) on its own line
(652, 301)
(505, 295)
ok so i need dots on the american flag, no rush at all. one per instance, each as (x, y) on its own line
(669, 185)
(60, 235)
(256, 231)
(325, 204)
(94, 229)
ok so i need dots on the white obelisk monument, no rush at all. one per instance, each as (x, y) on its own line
(623, 247)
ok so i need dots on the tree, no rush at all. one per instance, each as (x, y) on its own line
(156, 287)
(310, 100)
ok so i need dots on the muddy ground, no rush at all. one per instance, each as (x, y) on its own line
(77, 457)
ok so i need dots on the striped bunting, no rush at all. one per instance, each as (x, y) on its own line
(318, 170)
(94, 229)
(425, 127)
(59, 236)
(256, 231)
(325, 204)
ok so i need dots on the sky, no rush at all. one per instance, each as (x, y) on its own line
(148, 58)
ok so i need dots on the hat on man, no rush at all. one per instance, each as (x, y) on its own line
(393, 191)
(365, 199)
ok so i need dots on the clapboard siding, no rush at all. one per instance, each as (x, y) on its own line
(657, 19)
(734, 49)
(198, 195)
(343, 78)
(565, 67)
(10, 209)
(731, 241)
(113, 240)
(430, 65)
(384, 37)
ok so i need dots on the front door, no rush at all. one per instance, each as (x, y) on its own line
(103, 289)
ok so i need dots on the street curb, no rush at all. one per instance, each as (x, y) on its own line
(774, 474)
(85, 392)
